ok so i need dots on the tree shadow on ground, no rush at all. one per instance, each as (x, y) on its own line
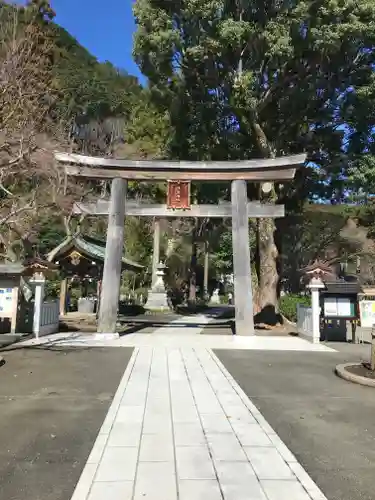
(143, 326)
(268, 317)
(52, 345)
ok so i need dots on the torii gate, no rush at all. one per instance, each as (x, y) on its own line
(240, 210)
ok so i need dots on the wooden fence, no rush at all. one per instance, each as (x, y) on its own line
(49, 319)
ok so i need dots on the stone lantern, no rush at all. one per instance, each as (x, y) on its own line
(157, 299)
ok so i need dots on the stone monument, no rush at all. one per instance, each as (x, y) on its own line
(157, 299)
(215, 299)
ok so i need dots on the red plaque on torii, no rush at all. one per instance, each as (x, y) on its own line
(178, 195)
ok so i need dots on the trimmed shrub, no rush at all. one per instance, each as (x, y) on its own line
(288, 305)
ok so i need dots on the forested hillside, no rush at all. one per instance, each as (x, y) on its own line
(244, 82)
(55, 95)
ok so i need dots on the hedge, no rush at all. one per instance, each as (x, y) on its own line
(288, 305)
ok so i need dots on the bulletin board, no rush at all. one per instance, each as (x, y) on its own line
(367, 313)
(6, 302)
(339, 307)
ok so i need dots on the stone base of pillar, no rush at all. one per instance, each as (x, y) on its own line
(157, 300)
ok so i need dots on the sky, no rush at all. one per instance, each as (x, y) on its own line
(104, 28)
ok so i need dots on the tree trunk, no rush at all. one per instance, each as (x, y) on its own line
(193, 272)
(155, 251)
(268, 273)
(267, 249)
(206, 270)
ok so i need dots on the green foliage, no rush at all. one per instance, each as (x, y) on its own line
(148, 130)
(362, 176)
(264, 79)
(223, 256)
(288, 305)
(319, 232)
(147, 135)
(90, 90)
(50, 234)
(225, 84)
(223, 250)
(138, 238)
(296, 66)
(52, 288)
(138, 247)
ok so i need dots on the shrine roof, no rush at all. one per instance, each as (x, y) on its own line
(11, 268)
(341, 287)
(318, 266)
(90, 246)
(26, 267)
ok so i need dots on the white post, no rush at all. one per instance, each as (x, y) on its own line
(315, 285)
(39, 281)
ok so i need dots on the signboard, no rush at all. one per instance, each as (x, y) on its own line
(6, 301)
(367, 313)
(344, 309)
(330, 306)
(339, 307)
(178, 195)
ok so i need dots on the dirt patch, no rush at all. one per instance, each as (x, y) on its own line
(361, 371)
(284, 330)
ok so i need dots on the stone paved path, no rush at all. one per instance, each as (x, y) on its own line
(181, 428)
(185, 331)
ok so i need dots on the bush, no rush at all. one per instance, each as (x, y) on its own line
(288, 305)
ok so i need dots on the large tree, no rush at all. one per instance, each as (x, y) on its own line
(258, 79)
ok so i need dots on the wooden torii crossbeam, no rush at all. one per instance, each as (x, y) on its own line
(238, 172)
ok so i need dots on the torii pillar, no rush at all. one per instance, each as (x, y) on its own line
(113, 258)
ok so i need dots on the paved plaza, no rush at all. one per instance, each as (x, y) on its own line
(326, 421)
(180, 427)
(190, 420)
(52, 404)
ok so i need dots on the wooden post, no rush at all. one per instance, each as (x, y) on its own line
(156, 251)
(113, 256)
(205, 276)
(98, 293)
(243, 294)
(63, 291)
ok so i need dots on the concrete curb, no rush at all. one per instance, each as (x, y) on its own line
(351, 377)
